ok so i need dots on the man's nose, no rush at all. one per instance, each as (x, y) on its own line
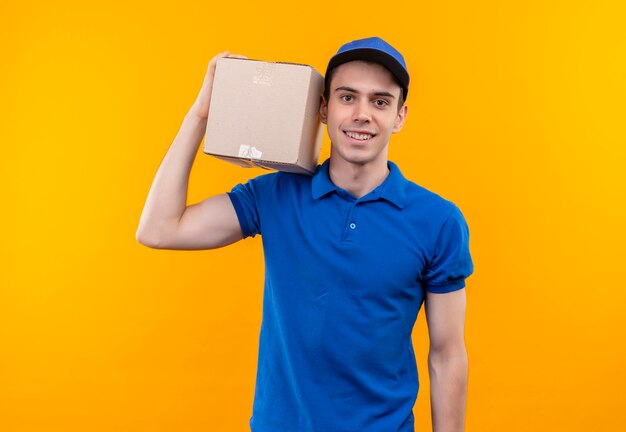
(361, 112)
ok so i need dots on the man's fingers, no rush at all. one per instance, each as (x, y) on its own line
(220, 55)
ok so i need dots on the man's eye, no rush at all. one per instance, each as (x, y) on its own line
(381, 102)
(346, 98)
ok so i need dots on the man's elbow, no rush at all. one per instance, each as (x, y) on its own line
(448, 367)
(447, 353)
(150, 240)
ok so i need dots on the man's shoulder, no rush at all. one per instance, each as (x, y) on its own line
(280, 176)
(278, 184)
(285, 178)
(420, 197)
(416, 194)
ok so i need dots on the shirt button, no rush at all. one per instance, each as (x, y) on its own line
(352, 225)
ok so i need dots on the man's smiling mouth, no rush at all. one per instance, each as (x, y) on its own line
(358, 135)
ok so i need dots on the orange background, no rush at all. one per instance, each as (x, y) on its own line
(516, 113)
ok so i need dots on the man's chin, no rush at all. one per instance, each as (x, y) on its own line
(353, 159)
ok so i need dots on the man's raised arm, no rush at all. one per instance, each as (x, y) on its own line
(166, 221)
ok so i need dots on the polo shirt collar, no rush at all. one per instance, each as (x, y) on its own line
(393, 189)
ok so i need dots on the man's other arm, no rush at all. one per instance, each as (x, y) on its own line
(447, 360)
(166, 221)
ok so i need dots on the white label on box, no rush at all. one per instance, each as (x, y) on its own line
(249, 152)
(264, 74)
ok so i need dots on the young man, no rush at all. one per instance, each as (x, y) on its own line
(351, 254)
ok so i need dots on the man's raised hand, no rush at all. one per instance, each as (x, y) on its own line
(201, 106)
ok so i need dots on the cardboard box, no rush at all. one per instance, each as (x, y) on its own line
(265, 114)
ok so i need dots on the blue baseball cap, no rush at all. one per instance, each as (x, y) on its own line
(376, 50)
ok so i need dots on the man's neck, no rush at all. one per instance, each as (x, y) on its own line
(359, 180)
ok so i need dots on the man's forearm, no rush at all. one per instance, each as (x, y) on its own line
(167, 198)
(448, 390)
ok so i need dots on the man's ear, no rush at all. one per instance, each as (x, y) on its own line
(400, 118)
(323, 110)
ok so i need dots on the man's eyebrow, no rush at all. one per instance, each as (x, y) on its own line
(387, 94)
(379, 93)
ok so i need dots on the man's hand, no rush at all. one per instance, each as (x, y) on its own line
(201, 106)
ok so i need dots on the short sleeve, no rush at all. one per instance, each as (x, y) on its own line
(451, 262)
(248, 200)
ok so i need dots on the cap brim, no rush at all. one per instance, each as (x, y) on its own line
(373, 55)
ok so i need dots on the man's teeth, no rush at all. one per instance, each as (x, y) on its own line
(359, 136)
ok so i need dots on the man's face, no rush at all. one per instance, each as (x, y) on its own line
(362, 112)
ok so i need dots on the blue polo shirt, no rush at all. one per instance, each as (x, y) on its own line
(344, 281)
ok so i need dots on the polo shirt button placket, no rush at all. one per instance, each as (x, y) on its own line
(350, 228)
